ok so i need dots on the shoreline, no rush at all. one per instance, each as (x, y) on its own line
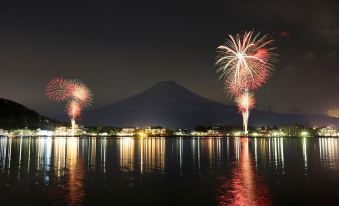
(168, 136)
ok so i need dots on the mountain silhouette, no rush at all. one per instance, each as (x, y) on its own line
(16, 116)
(171, 105)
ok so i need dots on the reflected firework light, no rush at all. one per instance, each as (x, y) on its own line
(73, 109)
(245, 187)
(58, 89)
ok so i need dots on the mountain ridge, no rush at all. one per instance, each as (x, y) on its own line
(172, 105)
(14, 115)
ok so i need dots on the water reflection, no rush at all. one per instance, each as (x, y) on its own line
(143, 155)
(304, 149)
(75, 170)
(244, 187)
(5, 153)
(70, 170)
(276, 152)
(127, 154)
(328, 152)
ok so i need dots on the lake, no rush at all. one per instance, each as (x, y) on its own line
(168, 171)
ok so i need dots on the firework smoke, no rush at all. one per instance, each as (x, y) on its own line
(245, 62)
(76, 93)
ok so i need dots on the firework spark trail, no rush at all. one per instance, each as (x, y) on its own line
(245, 62)
(245, 103)
(76, 93)
(73, 109)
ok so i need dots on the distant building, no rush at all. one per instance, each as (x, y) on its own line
(263, 132)
(277, 133)
(40, 132)
(22, 132)
(60, 131)
(181, 132)
(155, 131)
(65, 131)
(214, 132)
(127, 132)
(328, 132)
(3, 132)
(198, 133)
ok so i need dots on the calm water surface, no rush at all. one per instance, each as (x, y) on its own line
(169, 171)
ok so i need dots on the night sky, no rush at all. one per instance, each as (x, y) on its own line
(121, 48)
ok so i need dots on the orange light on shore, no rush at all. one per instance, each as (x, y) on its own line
(333, 113)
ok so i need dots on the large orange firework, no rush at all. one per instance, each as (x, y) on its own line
(81, 93)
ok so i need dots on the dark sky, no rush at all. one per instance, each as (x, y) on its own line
(121, 48)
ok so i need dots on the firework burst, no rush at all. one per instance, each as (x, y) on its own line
(76, 93)
(81, 93)
(245, 62)
(58, 89)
